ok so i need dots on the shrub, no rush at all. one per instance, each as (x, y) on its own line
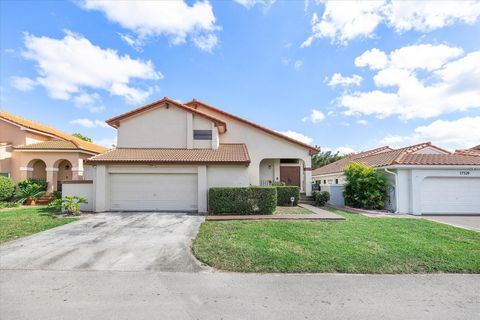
(9, 204)
(69, 204)
(365, 187)
(284, 193)
(278, 184)
(7, 188)
(243, 200)
(42, 184)
(321, 197)
(30, 193)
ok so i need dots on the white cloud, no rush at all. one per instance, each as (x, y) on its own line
(460, 133)
(344, 150)
(374, 58)
(339, 80)
(23, 83)
(448, 82)
(297, 136)
(133, 42)
(70, 65)
(92, 102)
(298, 64)
(106, 142)
(87, 123)
(315, 116)
(343, 21)
(175, 19)
(362, 122)
(251, 3)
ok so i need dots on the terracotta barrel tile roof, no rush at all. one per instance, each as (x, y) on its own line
(385, 156)
(29, 124)
(49, 144)
(225, 154)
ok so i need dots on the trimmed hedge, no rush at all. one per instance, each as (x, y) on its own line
(284, 193)
(321, 197)
(242, 200)
(7, 188)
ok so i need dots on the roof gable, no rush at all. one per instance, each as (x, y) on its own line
(193, 104)
(115, 121)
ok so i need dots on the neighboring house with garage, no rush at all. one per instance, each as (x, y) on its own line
(422, 179)
(169, 154)
(29, 149)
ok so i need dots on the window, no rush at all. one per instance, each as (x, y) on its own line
(288, 160)
(5, 174)
(336, 181)
(324, 181)
(202, 134)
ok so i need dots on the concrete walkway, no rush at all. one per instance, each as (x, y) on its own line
(65, 295)
(317, 214)
(465, 222)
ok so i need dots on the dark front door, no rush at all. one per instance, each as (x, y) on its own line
(290, 175)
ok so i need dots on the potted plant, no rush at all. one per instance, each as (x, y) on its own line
(30, 194)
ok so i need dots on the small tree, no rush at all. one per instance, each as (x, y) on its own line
(7, 188)
(365, 187)
(81, 136)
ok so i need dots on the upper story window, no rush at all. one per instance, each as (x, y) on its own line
(202, 134)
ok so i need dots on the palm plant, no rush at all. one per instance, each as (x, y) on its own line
(30, 194)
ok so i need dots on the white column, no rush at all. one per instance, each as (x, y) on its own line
(308, 181)
(202, 189)
(189, 130)
(215, 140)
(100, 189)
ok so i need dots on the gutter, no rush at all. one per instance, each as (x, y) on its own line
(396, 188)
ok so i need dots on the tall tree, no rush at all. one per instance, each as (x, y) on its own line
(325, 157)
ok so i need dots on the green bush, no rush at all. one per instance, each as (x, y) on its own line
(9, 204)
(242, 200)
(69, 204)
(278, 184)
(42, 184)
(7, 188)
(365, 187)
(321, 198)
(284, 193)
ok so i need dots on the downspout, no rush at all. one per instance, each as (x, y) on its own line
(396, 188)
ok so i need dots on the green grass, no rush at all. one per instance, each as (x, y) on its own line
(16, 223)
(292, 210)
(356, 245)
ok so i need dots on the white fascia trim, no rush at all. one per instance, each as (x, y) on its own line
(48, 169)
(469, 167)
(28, 129)
(26, 169)
(56, 150)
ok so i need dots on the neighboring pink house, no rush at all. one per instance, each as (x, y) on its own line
(32, 150)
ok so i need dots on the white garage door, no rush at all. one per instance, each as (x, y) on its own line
(153, 191)
(451, 196)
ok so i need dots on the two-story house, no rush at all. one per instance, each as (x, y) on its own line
(169, 154)
(29, 149)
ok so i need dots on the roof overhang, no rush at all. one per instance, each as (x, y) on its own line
(56, 150)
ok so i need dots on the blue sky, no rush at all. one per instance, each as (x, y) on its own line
(334, 74)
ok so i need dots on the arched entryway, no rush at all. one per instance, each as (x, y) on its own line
(37, 170)
(64, 172)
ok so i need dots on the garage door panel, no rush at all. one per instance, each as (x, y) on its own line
(163, 192)
(442, 195)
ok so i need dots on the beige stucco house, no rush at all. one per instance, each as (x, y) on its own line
(169, 154)
(32, 150)
(422, 179)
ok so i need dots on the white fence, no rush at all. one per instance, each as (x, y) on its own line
(80, 188)
(336, 194)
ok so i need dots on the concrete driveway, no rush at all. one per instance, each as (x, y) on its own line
(110, 241)
(465, 222)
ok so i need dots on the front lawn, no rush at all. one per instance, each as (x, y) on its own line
(16, 223)
(356, 245)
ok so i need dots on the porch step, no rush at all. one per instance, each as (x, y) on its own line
(46, 199)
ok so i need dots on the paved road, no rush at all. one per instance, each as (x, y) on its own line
(111, 241)
(465, 222)
(51, 295)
